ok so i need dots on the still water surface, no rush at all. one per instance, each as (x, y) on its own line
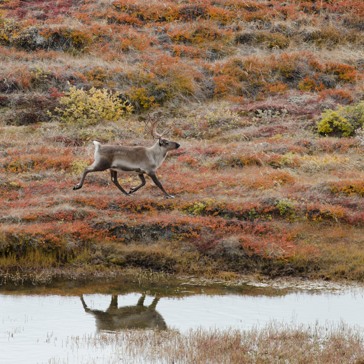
(45, 328)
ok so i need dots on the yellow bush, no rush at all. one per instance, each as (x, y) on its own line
(7, 28)
(141, 97)
(86, 108)
(333, 122)
(343, 121)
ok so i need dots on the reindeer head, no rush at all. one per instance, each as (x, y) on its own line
(151, 125)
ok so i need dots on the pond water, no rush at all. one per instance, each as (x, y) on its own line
(46, 328)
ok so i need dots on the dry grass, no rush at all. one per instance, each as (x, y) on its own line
(275, 343)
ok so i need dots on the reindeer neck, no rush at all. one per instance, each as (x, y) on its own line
(157, 153)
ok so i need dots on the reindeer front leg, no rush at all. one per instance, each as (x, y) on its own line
(156, 181)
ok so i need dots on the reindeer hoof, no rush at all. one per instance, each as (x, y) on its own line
(77, 187)
(169, 196)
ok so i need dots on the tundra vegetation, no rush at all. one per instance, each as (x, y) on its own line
(265, 98)
(274, 343)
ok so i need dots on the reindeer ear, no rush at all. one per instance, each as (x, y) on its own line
(160, 142)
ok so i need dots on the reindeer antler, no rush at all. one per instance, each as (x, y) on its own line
(152, 126)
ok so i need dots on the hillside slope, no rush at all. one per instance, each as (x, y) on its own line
(257, 188)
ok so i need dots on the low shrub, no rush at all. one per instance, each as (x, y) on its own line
(158, 80)
(84, 108)
(31, 38)
(36, 162)
(341, 122)
(264, 38)
(212, 124)
(348, 188)
(66, 38)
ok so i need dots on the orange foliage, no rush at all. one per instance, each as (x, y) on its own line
(36, 162)
(344, 96)
(344, 72)
(348, 188)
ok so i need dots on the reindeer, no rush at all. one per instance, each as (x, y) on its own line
(139, 160)
(128, 317)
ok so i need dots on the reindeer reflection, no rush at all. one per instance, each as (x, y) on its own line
(128, 317)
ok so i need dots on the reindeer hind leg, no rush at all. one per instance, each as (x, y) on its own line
(134, 189)
(97, 166)
(84, 174)
(114, 179)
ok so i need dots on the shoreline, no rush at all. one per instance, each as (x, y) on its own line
(138, 278)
